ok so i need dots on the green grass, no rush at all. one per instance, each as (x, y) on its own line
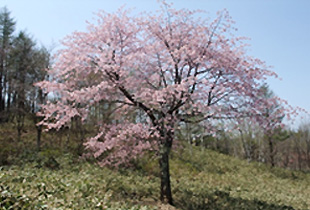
(201, 179)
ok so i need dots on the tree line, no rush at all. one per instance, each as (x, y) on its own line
(22, 63)
(286, 147)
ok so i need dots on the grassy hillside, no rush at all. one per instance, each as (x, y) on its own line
(201, 179)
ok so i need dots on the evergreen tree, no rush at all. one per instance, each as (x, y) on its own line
(7, 28)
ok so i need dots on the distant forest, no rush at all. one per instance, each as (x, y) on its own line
(22, 63)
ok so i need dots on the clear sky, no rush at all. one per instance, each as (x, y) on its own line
(279, 30)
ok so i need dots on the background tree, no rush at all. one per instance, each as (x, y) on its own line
(298, 155)
(23, 63)
(7, 27)
(28, 64)
(251, 136)
(36, 96)
(171, 67)
(304, 132)
(271, 120)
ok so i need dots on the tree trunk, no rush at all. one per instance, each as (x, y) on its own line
(39, 131)
(245, 145)
(1, 84)
(20, 118)
(4, 87)
(165, 185)
(9, 99)
(271, 151)
(19, 133)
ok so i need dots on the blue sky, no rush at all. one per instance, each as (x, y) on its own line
(279, 30)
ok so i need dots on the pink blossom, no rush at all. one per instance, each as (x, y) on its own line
(184, 69)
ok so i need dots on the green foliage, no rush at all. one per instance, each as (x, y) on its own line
(5, 151)
(217, 200)
(47, 159)
(201, 179)
(241, 185)
(82, 186)
(148, 165)
(53, 145)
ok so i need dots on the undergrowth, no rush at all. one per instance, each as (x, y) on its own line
(57, 178)
(201, 179)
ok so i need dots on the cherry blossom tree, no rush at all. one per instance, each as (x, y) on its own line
(172, 67)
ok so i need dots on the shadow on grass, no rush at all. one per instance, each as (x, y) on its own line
(220, 200)
(10, 201)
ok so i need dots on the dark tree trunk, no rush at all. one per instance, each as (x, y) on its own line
(4, 94)
(19, 133)
(39, 131)
(2, 105)
(1, 85)
(165, 148)
(308, 152)
(271, 151)
(20, 125)
(165, 185)
(80, 135)
(9, 100)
